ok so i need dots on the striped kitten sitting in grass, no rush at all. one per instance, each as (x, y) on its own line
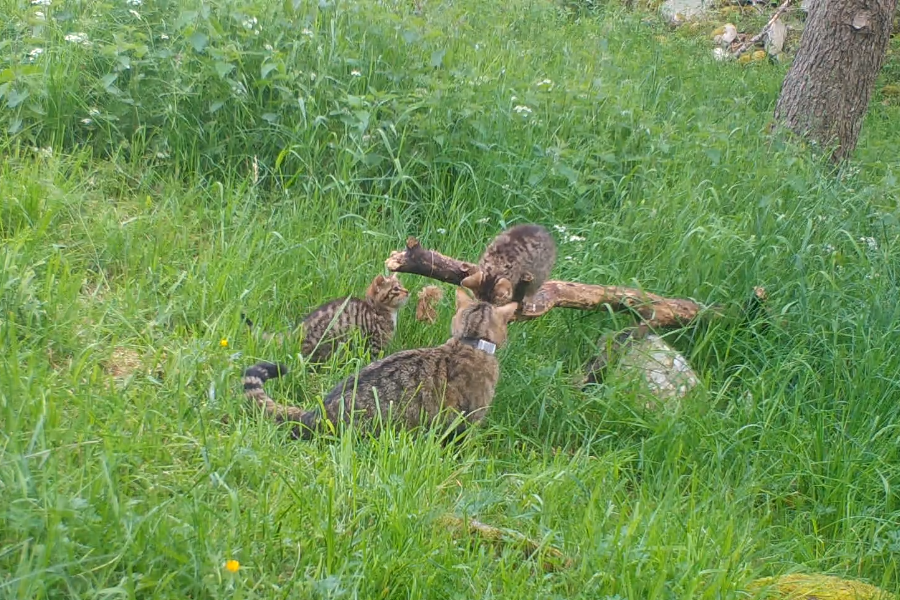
(412, 387)
(332, 323)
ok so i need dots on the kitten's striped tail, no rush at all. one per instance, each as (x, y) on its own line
(254, 380)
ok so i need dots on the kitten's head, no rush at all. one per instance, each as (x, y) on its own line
(388, 292)
(481, 320)
(498, 289)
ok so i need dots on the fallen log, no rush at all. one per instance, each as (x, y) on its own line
(657, 312)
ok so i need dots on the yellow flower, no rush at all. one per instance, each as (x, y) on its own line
(232, 565)
(223, 342)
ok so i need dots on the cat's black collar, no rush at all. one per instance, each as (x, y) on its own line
(479, 344)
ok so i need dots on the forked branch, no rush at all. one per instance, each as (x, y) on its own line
(656, 311)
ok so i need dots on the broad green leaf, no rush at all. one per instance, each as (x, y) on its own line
(223, 69)
(437, 58)
(16, 98)
(198, 41)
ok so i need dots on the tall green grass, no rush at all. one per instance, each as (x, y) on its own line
(172, 164)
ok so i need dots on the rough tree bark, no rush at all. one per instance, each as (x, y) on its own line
(826, 92)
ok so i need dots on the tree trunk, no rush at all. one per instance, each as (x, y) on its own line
(826, 92)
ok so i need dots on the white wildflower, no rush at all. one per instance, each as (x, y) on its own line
(569, 258)
(46, 152)
(250, 23)
(312, 76)
(522, 110)
(40, 2)
(162, 155)
(87, 121)
(828, 248)
(163, 36)
(442, 231)
(35, 52)
(545, 82)
(77, 38)
(514, 98)
(355, 73)
(560, 228)
(477, 47)
(871, 242)
(134, 2)
(269, 47)
(575, 238)
(483, 220)
(720, 53)
(135, 13)
(39, 15)
(307, 32)
(94, 112)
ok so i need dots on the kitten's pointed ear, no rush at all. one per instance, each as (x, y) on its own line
(462, 298)
(379, 279)
(503, 287)
(473, 281)
(507, 311)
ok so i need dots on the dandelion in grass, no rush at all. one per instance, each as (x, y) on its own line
(223, 342)
(232, 566)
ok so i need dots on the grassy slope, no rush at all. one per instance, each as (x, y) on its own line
(149, 240)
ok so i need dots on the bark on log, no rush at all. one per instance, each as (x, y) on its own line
(656, 311)
(826, 92)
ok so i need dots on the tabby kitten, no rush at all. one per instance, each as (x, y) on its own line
(513, 266)
(459, 375)
(332, 323)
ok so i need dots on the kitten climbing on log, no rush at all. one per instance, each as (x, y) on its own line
(514, 265)
(657, 311)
